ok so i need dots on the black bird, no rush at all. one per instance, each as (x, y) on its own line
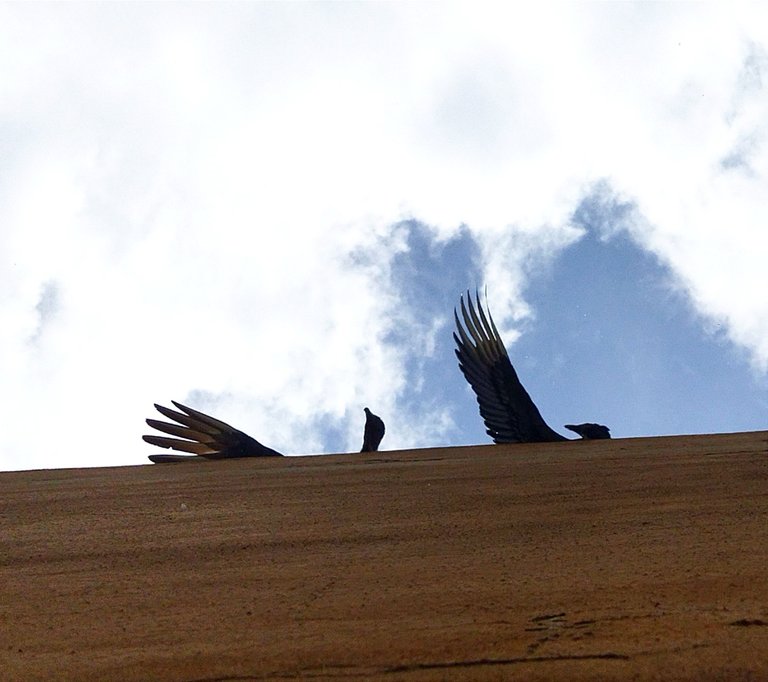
(202, 435)
(373, 433)
(509, 414)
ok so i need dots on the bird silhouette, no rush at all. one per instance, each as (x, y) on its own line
(203, 436)
(373, 432)
(590, 431)
(200, 434)
(509, 413)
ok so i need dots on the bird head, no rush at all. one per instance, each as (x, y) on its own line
(590, 431)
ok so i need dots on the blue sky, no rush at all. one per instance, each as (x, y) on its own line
(269, 211)
(614, 342)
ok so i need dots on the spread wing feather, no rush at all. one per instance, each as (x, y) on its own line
(509, 414)
(167, 459)
(200, 434)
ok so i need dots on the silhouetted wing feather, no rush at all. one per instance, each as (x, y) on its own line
(181, 431)
(203, 418)
(202, 435)
(167, 459)
(181, 445)
(186, 420)
(509, 414)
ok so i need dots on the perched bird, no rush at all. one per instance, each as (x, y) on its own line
(373, 433)
(509, 414)
(199, 434)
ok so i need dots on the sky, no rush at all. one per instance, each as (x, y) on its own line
(268, 211)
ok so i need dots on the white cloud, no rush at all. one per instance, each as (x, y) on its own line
(191, 181)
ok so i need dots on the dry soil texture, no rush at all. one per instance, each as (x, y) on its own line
(614, 560)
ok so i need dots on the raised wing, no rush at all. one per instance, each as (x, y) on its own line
(202, 435)
(509, 414)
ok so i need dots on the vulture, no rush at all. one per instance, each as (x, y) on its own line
(373, 433)
(201, 435)
(509, 414)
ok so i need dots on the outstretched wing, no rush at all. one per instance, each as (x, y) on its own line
(509, 414)
(199, 434)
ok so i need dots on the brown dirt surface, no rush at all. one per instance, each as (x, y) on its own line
(636, 559)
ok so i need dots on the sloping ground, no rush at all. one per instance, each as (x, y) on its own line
(627, 559)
